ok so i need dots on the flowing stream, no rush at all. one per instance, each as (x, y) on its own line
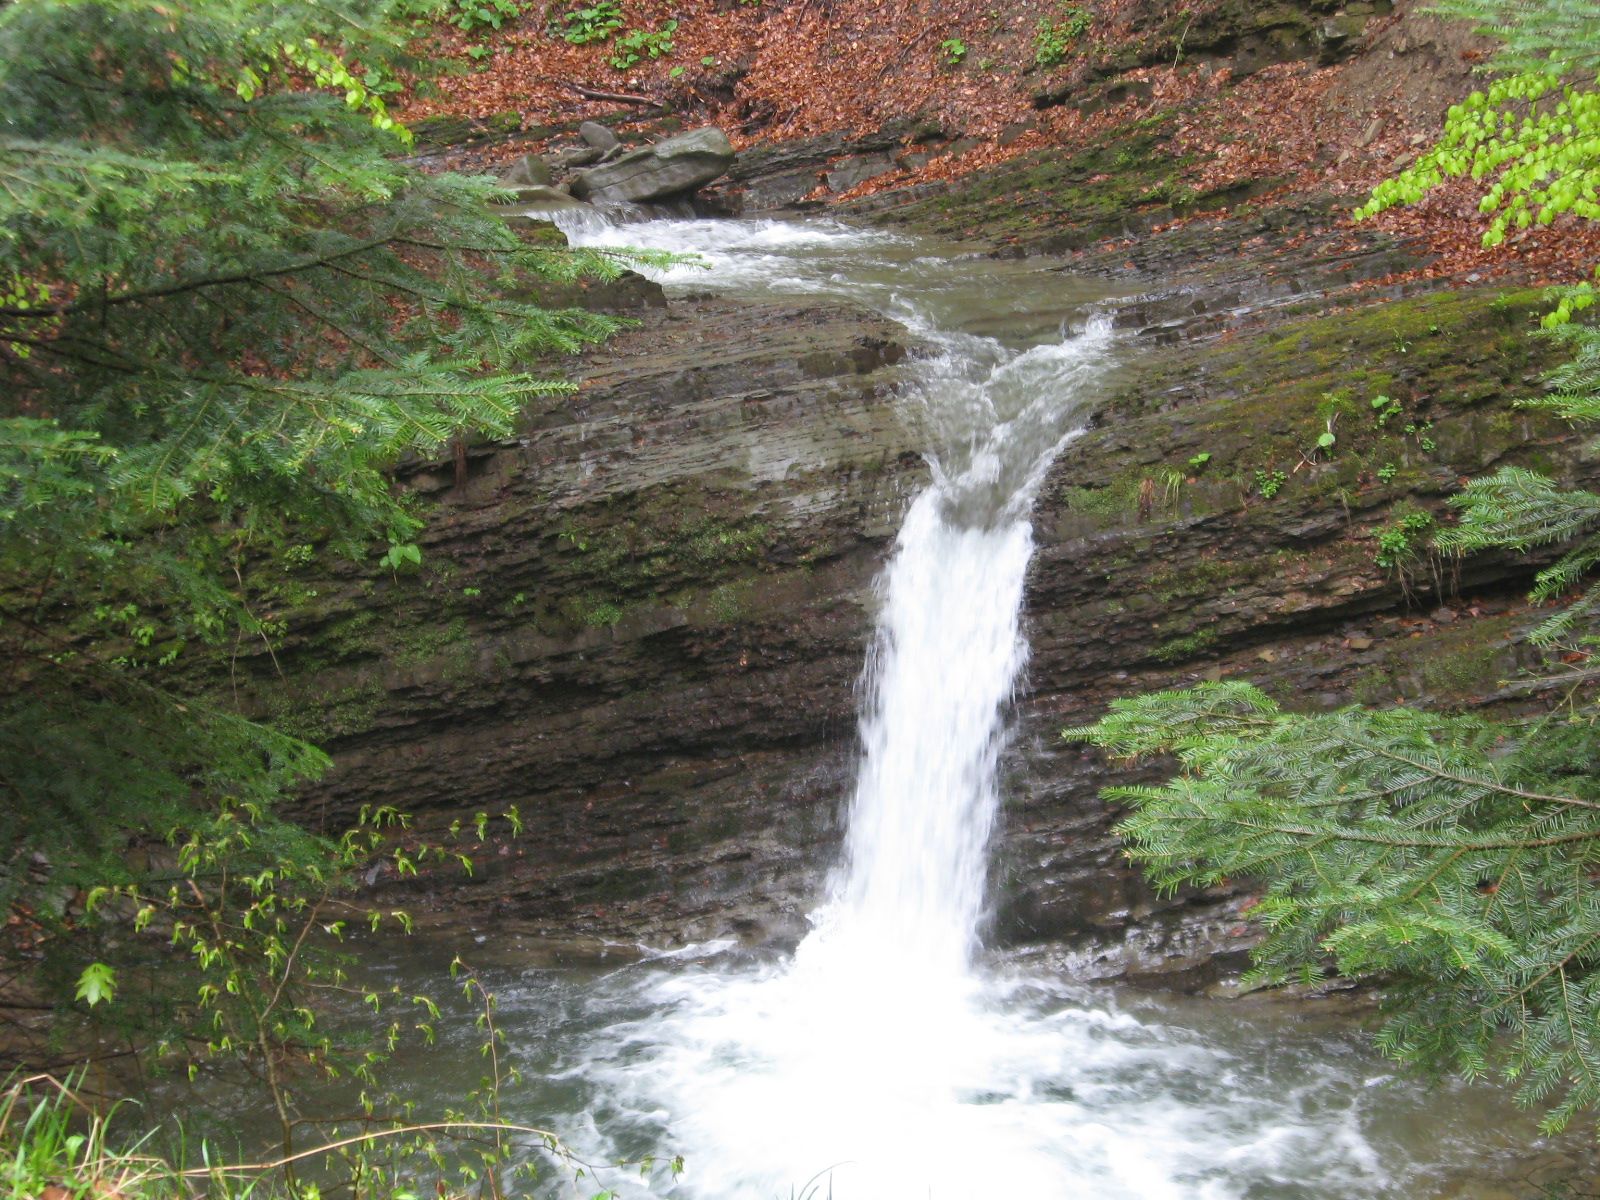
(891, 1057)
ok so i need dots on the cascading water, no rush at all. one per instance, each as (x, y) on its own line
(888, 1059)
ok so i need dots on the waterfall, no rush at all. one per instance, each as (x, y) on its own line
(887, 1059)
(940, 673)
(948, 651)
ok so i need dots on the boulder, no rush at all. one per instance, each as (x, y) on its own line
(669, 168)
(528, 171)
(542, 198)
(574, 156)
(597, 135)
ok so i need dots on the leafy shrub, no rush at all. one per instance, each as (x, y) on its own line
(642, 43)
(468, 15)
(1053, 39)
(421, 10)
(595, 23)
(473, 15)
(952, 50)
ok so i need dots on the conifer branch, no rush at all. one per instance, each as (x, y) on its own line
(184, 286)
(218, 331)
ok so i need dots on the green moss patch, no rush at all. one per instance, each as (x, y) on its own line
(1071, 199)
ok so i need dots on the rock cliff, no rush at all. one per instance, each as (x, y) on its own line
(642, 622)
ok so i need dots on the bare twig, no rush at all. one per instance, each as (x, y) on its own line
(617, 97)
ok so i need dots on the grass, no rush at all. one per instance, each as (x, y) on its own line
(56, 1145)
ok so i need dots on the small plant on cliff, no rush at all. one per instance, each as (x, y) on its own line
(1178, 649)
(1326, 441)
(1269, 483)
(602, 614)
(1402, 539)
(1054, 37)
(1422, 431)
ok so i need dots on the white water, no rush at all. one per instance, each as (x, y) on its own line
(887, 1059)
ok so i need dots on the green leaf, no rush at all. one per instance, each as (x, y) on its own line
(97, 983)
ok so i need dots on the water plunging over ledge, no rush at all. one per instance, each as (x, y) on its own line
(889, 1057)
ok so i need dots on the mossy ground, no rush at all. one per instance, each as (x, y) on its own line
(1345, 409)
(1129, 176)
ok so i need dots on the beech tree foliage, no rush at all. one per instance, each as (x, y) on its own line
(1454, 859)
(1532, 137)
(227, 303)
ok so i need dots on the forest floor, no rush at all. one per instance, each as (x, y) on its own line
(781, 70)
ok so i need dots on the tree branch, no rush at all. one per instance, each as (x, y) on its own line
(619, 97)
(193, 285)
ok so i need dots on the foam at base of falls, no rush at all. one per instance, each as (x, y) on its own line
(904, 1087)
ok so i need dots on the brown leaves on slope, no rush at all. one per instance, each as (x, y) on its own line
(781, 70)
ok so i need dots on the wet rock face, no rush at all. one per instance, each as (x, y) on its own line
(780, 175)
(640, 623)
(1195, 533)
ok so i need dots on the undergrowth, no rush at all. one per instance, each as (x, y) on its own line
(55, 1144)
